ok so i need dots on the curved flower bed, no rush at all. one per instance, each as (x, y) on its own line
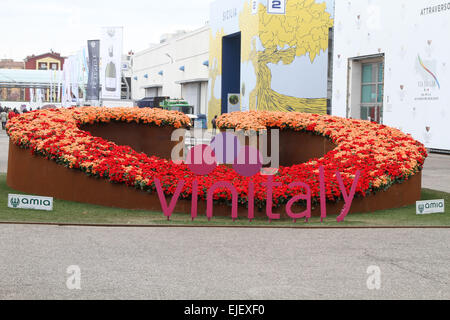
(383, 155)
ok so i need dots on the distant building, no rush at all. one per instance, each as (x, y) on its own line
(46, 61)
(11, 94)
(11, 64)
(177, 67)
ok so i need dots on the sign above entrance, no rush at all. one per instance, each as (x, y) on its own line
(276, 6)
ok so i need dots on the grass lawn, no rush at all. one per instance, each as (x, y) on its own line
(66, 212)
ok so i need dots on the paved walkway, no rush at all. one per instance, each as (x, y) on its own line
(4, 144)
(436, 173)
(200, 263)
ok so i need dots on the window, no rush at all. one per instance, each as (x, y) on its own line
(53, 66)
(372, 85)
(42, 66)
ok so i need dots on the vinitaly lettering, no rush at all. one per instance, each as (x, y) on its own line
(270, 185)
(231, 148)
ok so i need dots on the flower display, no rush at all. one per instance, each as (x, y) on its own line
(383, 155)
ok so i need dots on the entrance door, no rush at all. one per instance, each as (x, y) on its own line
(153, 92)
(372, 85)
(191, 93)
(231, 67)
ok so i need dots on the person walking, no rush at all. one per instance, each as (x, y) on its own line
(214, 124)
(3, 118)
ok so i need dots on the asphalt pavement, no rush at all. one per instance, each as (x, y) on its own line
(436, 174)
(203, 263)
(43, 262)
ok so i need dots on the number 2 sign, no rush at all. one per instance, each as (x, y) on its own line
(276, 6)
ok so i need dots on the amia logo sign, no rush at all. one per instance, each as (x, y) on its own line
(430, 206)
(20, 201)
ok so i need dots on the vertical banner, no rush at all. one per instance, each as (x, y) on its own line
(93, 87)
(32, 99)
(75, 75)
(111, 62)
(66, 83)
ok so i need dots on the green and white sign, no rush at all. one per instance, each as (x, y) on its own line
(430, 206)
(20, 201)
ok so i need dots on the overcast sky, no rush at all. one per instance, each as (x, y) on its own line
(36, 26)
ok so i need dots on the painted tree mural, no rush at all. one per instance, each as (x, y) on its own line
(302, 31)
(271, 39)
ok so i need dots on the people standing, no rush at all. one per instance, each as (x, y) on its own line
(3, 118)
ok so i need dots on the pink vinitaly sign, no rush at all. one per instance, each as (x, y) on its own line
(248, 161)
(270, 185)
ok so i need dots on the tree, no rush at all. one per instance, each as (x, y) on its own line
(302, 30)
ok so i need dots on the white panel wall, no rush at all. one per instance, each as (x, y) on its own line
(189, 50)
(403, 30)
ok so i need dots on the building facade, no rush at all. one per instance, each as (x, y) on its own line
(8, 93)
(177, 68)
(274, 55)
(378, 60)
(391, 65)
(48, 61)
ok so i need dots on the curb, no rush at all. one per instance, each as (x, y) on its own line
(213, 226)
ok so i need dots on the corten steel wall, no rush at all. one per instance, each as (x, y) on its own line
(37, 175)
(154, 141)
(300, 147)
(295, 147)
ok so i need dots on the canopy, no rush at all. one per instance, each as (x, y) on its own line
(20, 78)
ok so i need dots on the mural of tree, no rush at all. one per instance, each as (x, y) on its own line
(303, 30)
(215, 70)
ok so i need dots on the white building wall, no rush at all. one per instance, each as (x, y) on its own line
(402, 31)
(190, 50)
